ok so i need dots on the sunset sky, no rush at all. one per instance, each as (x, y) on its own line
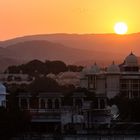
(27, 17)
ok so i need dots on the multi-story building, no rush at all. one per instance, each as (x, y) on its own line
(50, 111)
(115, 80)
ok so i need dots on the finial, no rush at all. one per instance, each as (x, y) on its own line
(131, 53)
(113, 62)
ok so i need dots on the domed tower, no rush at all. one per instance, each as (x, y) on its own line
(95, 69)
(131, 63)
(113, 69)
(113, 80)
(2, 95)
(130, 77)
(93, 73)
(84, 78)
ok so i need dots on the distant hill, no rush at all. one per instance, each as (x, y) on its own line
(7, 58)
(46, 50)
(71, 48)
(113, 43)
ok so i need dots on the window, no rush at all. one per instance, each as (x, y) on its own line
(78, 102)
(34, 103)
(135, 86)
(24, 104)
(57, 103)
(95, 103)
(42, 104)
(3, 103)
(124, 86)
(49, 103)
(135, 94)
(102, 104)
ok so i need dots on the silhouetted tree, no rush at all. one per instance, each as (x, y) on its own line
(36, 67)
(74, 68)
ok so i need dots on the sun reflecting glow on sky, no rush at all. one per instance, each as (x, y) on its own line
(26, 17)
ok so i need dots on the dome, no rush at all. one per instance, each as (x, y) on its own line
(94, 69)
(113, 68)
(2, 89)
(131, 60)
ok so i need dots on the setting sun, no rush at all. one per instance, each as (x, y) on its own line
(120, 28)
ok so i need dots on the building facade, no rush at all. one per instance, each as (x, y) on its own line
(114, 80)
(3, 95)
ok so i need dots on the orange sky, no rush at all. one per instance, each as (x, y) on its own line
(27, 17)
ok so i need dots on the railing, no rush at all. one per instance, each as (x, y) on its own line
(46, 117)
(62, 109)
(44, 110)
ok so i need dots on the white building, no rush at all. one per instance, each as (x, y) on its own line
(115, 80)
(2, 95)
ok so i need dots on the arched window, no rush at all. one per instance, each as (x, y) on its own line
(57, 103)
(34, 103)
(49, 104)
(24, 104)
(78, 102)
(102, 103)
(95, 103)
(42, 104)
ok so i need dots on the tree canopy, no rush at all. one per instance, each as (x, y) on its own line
(38, 67)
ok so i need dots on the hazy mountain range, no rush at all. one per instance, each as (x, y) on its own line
(71, 48)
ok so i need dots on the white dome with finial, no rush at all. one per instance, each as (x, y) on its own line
(113, 68)
(131, 60)
(94, 69)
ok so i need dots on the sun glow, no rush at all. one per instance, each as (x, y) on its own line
(120, 28)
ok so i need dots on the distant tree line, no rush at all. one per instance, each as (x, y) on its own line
(38, 67)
